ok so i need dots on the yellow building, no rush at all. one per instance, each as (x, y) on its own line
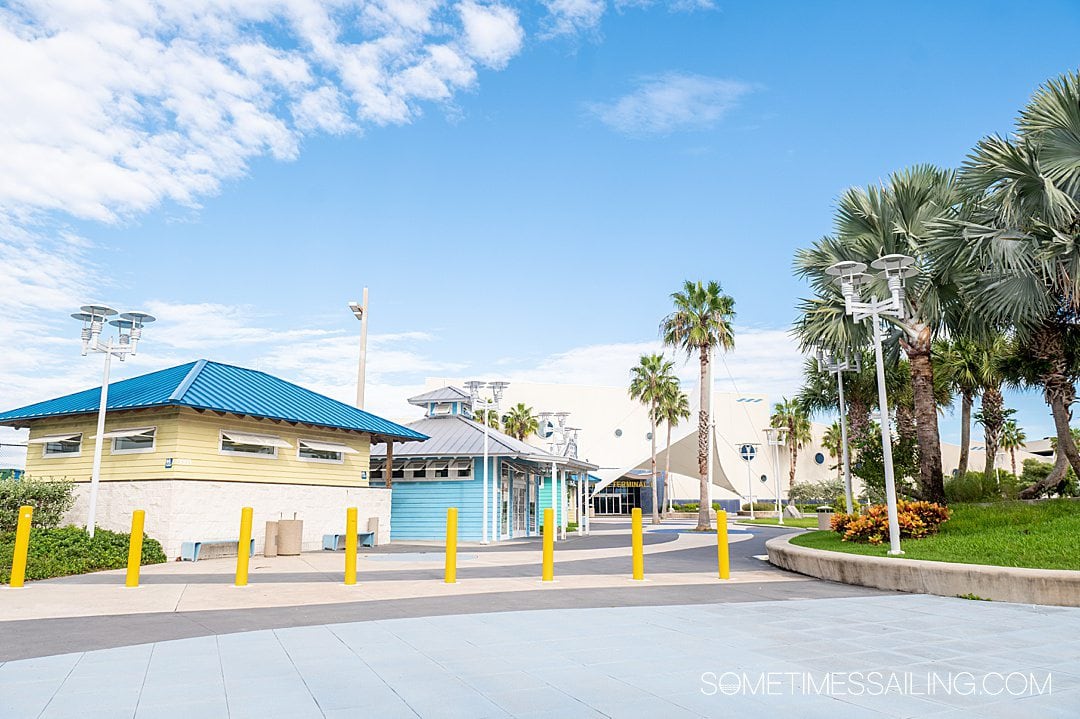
(193, 444)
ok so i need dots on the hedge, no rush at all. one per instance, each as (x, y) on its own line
(62, 551)
(50, 499)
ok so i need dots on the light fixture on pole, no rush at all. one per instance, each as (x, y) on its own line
(484, 406)
(775, 438)
(894, 269)
(129, 327)
(828, 362)
(360, 311)
(563, 442)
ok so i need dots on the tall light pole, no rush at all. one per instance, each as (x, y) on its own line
(563, 442)
(830, 363)
(360, 311)
(129, 327)
(775, 438)
(484, 405)
(748, 450)
(894, 269)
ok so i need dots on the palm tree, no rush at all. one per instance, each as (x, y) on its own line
(871, 222)
(1013, 438)
(520, 421)
(832, 441)
(492, 417)
(701, 322)
(790, 416)
(649, 380)
(1013, 246)
(957, 361)
(674, 408)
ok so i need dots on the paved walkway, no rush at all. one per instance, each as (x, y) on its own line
(949, 658)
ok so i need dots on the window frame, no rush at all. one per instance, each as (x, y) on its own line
(46, 454)
(234, 453)
(140, 450)
(300, 458)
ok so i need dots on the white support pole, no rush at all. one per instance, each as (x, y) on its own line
(580, 503)
(485, 479)
(95, 472)
(710, 426)
(361, 371)
(886, 442)
(848, 500)
(554, 491)
(750, 487)
(496, 501)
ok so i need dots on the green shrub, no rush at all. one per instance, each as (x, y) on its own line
(977, 487)
(50, 499)
(916, 519)
(813, 494)
(760, 506)
(62, 551)
(688, 507)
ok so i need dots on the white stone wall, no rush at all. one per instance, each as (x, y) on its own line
(184, 510)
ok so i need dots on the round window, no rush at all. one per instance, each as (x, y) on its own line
(618, 433)
(648, 436)
(819, 458)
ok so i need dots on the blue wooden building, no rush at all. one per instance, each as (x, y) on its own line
(447, 470)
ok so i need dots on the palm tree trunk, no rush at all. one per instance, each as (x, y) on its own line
(652, 439)
(1056, 476)
(1049, 344)
(965, 431)
(703, 522)
(1012, 454)
(667, 468)
(931, 481)
(794, 453)
(993, 420)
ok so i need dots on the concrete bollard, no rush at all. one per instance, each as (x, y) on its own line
(548, 571)
(637, 542)
(350, 546)
(22, 546)
(723, 556)
(451, 545)
(244, 549)
(138, 519)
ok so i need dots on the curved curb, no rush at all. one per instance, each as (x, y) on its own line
(1022, 585)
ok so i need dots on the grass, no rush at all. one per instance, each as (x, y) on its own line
(1007, 534)
(804, 522)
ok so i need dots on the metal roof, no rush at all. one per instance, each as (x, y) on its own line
(219, 387)
(443, 394)
(456, 436)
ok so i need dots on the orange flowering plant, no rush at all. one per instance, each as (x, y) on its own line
(916, 519)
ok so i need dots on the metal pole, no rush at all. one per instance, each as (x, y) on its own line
(843, 440)
(750, 487)
(361, 373)
(586, 501)
(776, 470)
(95, 472)
(496, 502)
(709, 425)
(886, 442)
(580, 503)
(484, 509)
(554, 491)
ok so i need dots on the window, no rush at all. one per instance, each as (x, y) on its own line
(377, 474)
(463, 468)
(313, 451)
(416, 470)
(59, 445)
(132, 441)
(442, 470)
(819, 458)
(258, 445)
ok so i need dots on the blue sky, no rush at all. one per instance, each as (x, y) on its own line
(521, 201)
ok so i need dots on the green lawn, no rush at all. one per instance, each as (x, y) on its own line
(1010, 534)
(805, 522)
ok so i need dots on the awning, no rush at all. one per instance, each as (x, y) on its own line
(327, 447)
(136, 432)
(258, 440)
(53, 438)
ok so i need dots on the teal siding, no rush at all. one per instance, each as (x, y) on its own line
(544, 500)
(418, 509)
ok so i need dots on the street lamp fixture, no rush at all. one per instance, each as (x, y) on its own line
(829, 362)
(851, 276)
(129, 328)
(360, 312)
(775, 438)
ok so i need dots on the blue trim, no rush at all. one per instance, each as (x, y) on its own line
(183, 387)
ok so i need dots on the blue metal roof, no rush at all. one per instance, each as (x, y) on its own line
(220, 387)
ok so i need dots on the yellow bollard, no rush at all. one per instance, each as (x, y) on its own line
(22, 546)
(722, 555)
(244, 549)
(138, 518)
(638, 543)
(549, 545)
(451, 545)
(350, 545)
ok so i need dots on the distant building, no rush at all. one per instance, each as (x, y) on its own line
(193, 444)
(447, 470)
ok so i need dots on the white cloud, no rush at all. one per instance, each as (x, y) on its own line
(113, 108)
(661, 104)
(574, 17)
